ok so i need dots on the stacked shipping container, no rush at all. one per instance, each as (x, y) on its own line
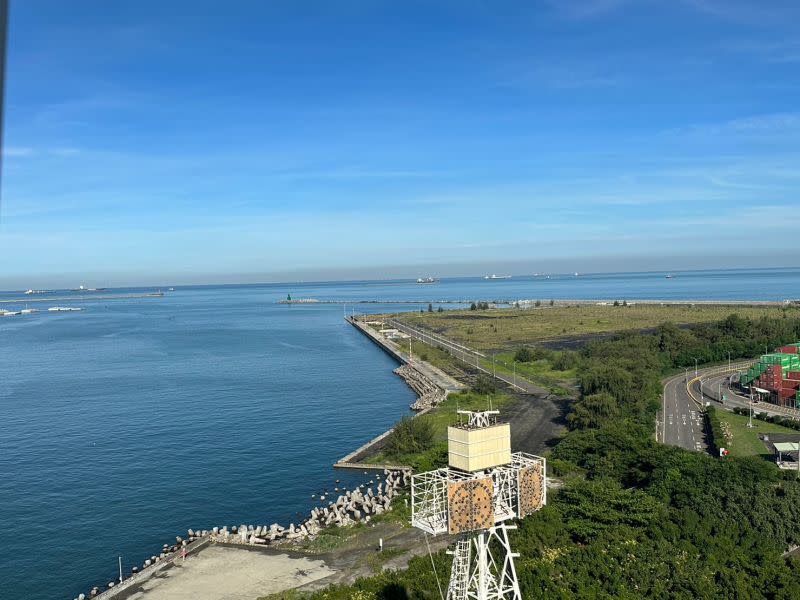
(779, 373)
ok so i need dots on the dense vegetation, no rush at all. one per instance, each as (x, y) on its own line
(637, 519)
(421, 442)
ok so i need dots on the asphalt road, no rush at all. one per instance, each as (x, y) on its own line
(681, 419)
(717, 386)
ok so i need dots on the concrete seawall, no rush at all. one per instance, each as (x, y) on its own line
(437, 376)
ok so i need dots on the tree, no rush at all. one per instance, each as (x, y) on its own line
(616, 302)
(593, 411)
(440, 309)
(430, 307)
(552, 302)
(473, 306)
(537, 303)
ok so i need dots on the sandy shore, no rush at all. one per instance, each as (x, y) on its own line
(225, 573)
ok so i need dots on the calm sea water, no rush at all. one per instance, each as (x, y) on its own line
(131, 421)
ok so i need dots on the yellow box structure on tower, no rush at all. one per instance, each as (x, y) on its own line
(478, 449)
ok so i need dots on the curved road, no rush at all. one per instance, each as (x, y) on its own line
(681, 421)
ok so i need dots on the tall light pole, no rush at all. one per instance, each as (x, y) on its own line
(750, 421)
(695, 367)
(494, 372)
(686, 374)
(514, 365)
(729, 361)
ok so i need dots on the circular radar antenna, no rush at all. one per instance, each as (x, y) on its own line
(483, 487)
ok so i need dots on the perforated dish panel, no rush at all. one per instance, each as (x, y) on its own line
(469, 505)
(531, 489)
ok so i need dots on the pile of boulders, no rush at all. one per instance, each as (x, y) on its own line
(351, 507)
(429, 394)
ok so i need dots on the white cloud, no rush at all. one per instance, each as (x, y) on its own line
(768, 124)
(586, 9)
(17, 151)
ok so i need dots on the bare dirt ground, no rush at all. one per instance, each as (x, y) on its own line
(227, 573)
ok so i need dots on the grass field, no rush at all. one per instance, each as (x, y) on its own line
(743, 440)
(511, 328)
(540, 372)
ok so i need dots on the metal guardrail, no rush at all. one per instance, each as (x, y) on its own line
(712, 371)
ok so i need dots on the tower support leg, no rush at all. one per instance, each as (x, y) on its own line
(477, 574)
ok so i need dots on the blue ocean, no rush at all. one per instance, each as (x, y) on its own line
(133, 420)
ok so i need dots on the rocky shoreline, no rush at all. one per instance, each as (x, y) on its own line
(429, 394)
(354, 506)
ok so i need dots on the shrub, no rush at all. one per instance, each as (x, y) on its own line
(523, 355)
(410, 435)
(565, 361)
(484, 385)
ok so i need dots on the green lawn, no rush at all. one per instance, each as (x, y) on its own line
(744, 441)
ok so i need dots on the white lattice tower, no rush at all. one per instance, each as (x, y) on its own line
(484, 486)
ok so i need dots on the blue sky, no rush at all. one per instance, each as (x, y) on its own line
(200, 141)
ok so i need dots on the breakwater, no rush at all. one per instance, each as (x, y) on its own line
(82, 298)
(436, 376)
(354, 506)
(531, 302)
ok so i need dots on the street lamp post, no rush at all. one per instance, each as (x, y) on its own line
(729, 361)
(695, 367)
(514, 365)
(686, 374)
(750, 420)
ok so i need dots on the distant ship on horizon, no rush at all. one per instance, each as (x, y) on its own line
(427, 280)
(83, 288)
(493, 276)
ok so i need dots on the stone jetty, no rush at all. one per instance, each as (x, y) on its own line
(429, 394)
(354, 506)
